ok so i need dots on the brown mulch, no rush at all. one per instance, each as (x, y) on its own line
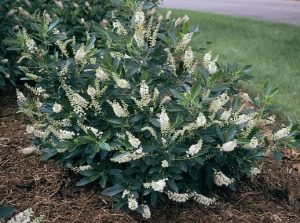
(25, 181)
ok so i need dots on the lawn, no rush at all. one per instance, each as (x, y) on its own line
(272, 49)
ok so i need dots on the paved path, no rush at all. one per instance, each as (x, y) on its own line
(283, 11)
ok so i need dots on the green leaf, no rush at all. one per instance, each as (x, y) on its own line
(114, 190)
(83, 181)
(173, 185)
(176, 94)
(195, 90)
(48, 153)
(277, 155)
(104, 146)
(154, 197)
(53, 24)
(103, 180)
(6, 211)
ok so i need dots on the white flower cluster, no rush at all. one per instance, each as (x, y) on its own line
(241, 119)
(25, 217)
(57, 108)
(145, 95)
(201, 120)
(132, 203)
(188, 60)
(135, 142)
(151, 130)
(29, 150)
(201, 199)
(138, 23)
(101, 74)
(186, 39)
(226, 115)
(255, 171)
(29, 43)
(229, 146)
(122, 83)
(181, 20)
(146, 212)
(65, 134)
(127, 157)
(121, 31)
(282, 133)
(80, 55)
(157, 185)
(180, 198)
(37, 91)
(253, 143)
(220, 179)
(164, 164)
(219, 102)
(153, 38)
(20, 96)
(171, 61)
(210, 63)
(119, 111)
(194, 149)
(164, 122)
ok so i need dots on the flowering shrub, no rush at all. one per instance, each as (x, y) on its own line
(77, 17)
(143, 117)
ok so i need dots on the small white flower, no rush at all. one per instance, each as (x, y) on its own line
(194, 149)
(253, 143)
(168, 15)
(282, 133)
(57, 108)
(164, 164)
(80, 55)
(201, 199)
(212, 68)
(185, 18)
(146, 212)
(225, 116)
(180, 198)
(30, 129)
(220, 179)
(178, 21)
(135, 142)
(101, 74)
(229, 146)
(125, 193)
(132, 204)
(86, 167)
(122, 83)
(255, 171)
(164, 121)
(119, 111)
(207, 58)
(65, 134)
(158, 185)
(29, 150)
(59, 4)
(91, 91)
(201, 120)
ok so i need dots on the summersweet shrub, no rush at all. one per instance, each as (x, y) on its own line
(143, 117)
(76, 17)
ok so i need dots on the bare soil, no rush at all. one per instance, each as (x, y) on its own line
(25, 181)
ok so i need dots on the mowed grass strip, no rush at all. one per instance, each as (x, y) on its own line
(273, 50)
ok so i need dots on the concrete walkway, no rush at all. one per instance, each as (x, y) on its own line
(283, 11)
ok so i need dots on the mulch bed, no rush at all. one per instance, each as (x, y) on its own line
(25, 181)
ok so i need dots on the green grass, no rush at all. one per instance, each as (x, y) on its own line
(272, 49)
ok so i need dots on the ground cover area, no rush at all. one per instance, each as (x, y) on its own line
(273, 50)
(273, 196)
